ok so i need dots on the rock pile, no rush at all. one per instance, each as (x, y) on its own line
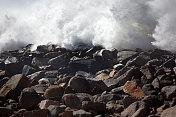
(56, 82)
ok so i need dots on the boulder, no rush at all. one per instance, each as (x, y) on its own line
(35, 77)
(54, 110)
(53, 92)
(29, 99)
(107, 97)
(36, 113)
(114, 108)
(14, 86)
(169, 91)
(72, 101)
(170, 112)
(44, 104)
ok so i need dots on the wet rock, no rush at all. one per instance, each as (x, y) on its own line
(54, 110)
(79, 85)
(94, 106)
(136, 109)
(170, 112)
(169, 91)
(39, 62)
(118, 66)
(36, 113)
(27, 70)
(53, 92)
(131, 88)
(81, 113)
(72, 101)
(44, 104)
(5, 112)
(14, 86)
(29, 98)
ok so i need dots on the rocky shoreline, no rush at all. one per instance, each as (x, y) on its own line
(55, 82)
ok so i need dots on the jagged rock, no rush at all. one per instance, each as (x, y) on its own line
(72, 101)
(131, 88)
(170, 112)
(36, 113)
(59, 61)
(127, 76)
(118, 90)
(114, 108)
(39, 62)
(111, 83)
(117, 67)
(44, 104)
(6, 112)
(35, 77)
(150, 99)
(52, 54)
(54, 92)
(169, 63)
(3, 81)
(51, 74)
(169, 91)
(54, 110)
(148, 71)
(94, 106)
(136, 109)
(81, 113)
(44, 48)
(29, 98)
(14, 86)
(40, 89)
(28, 70)
(138, 61)
(79, 85)
(148, 89)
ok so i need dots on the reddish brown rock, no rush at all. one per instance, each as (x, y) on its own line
(54, 92)
(103, 76)
(131, 88)
(72, 101)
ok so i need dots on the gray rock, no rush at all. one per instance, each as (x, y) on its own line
(27, 70)
(44, 104)
(111, 83)
(55, 110)
(81, 113)
(169, 91)
(170, 112)
(114, 108)
(107, 97)
(35, 77)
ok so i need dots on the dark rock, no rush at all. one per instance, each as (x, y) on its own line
(3, 81)
(27, 70)
(54, 110)
(29, 98)
(83, 74)
(148, 71)
(53, 92)
(51, 74)
(157, 53)
(52, 54)
(118, 90)
(94, 106)
(79, 85)
(170, 112)
(81, 113)
(169, 91)
(14, 86)
(128, 100)
(40, 89)
(5, 112)
(114, 108)
(149, 100)
(59, 61)
(169, 64)
(148, 89)
(138, 61)
(84, 97)
(136, 109)
(36, 113)
(118, 66)
(72, 101)
(107, 97)
(39, 62)
(111, 83)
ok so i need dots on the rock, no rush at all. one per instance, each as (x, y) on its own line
(133, 72)
(157, 53)
(29, 98)
(111, 83)
(35, 77)
(131, 88)
(97, 86)
(84, 97)
(170, 112)
(94, 106)
(3, 81)
(138, 61)
(114, 108)
(125, 56)
(81, 113)
(128, 100)
(83, 74)
(112, 73)
(118, 90)
(40, 89)
(51, 74)
(107, 97)
(121, 72)
(158, 99)
(39, 62)
(5, 112)
(44, 104)
(44, 48)
(117, 67)
(169, 63)
(156, 83)
(55, 110)
(136, 109)
(79, 85)
(53, 92)
(14, 86)
(169, 91)
(72, 101)
(59, 61)
(44, 81)
(148, 89)
(36, 113)
(148, 71)
(28, 70)
(103, 76)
